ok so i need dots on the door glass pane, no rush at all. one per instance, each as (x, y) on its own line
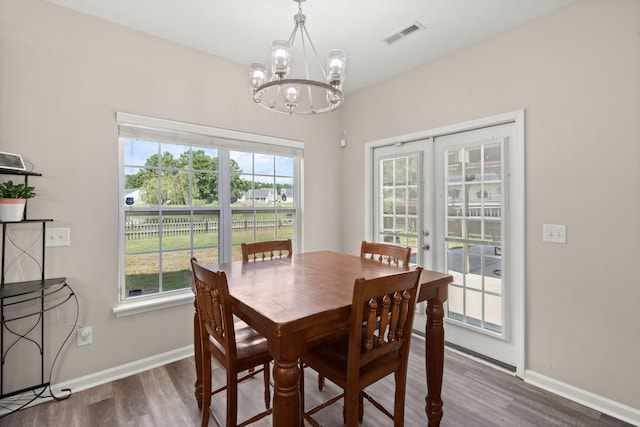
(473, 307)
(456, 302)
(401, 171)
(473, 267)
(474, 235)
(412, 200)
(493, 313)
(399, 201)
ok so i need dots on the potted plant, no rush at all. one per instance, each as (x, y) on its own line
(13, 199)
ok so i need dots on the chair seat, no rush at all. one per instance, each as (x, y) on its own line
(250, 346)
(329, 355)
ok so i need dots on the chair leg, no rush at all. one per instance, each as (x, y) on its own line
(302, 391)
(351, 407)
(206, 388)
(267, 381)
(232, 398)
(320, 382)
(398, 408)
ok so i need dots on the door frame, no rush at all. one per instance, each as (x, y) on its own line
(516, 219)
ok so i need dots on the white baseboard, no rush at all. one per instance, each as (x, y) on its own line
(591, 400)
(122, 371)
(586, 398)
(112, 374)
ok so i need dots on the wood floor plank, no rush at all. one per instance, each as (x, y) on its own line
(473, 394)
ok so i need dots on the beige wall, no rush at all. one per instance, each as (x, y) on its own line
(577, 74)
(63, 76)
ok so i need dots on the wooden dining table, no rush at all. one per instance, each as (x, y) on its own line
(296, 299)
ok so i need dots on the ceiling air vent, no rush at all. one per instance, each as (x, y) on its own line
(405, 32)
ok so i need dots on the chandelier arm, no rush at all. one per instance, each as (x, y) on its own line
(304, 30)
(304, 52)
(297, 19)
(292, 37)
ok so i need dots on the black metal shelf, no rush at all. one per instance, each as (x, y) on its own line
(15, 289)
(28, 298)
(27, 221)
(4, 171)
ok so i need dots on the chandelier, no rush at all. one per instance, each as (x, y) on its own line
(284, 94)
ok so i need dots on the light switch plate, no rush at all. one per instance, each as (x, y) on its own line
(554, 233)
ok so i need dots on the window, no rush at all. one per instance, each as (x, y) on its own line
(189, 190)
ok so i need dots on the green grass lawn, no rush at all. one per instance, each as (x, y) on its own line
(143, 262)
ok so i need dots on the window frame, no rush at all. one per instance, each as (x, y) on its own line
(164, 131)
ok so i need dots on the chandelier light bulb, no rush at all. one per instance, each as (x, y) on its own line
(291, 93)
(280, 55)
(336, 62)
(257, 75)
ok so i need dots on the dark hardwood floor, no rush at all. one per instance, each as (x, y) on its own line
(473, 394)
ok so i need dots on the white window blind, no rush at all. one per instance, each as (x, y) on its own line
(169, 131)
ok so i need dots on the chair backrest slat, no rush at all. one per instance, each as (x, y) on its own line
(259, 251)
(383, 323)
(384, 318)
(385, 253)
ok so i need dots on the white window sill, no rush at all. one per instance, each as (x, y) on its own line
(152, 304)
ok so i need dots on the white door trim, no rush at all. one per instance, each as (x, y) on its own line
(517, 219)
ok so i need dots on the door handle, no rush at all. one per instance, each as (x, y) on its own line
(426, 246)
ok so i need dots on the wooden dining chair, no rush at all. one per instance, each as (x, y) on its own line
(383, 252)
(259, 251)
(376, 345)
(236, 346)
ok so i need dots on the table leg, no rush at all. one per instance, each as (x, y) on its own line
(197, 350)
(434, 356)
(286, 351)
(286, 395)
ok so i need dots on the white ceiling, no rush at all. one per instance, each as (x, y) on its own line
(242, 30)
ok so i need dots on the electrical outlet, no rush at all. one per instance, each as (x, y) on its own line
(84, 336)
(57, 237)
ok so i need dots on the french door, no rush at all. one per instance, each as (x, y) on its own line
(455, 199)
(399, 200)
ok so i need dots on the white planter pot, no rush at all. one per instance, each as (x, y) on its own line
(12, 209)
